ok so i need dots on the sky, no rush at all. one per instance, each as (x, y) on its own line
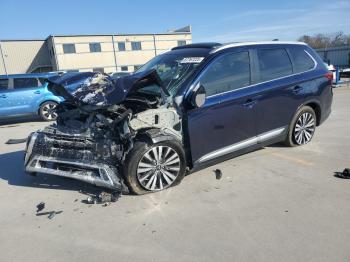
(211, 20)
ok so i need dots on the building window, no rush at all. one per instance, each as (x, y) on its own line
(98, 69)
(68, 48)
(95, 47)
(121, 46)
(124, 68)
(136, 46)
(136, 67)
(4, 83)
(181, 42)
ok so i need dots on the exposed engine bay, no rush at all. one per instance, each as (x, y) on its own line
(97, 126)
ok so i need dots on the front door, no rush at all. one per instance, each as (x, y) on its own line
(226, 122)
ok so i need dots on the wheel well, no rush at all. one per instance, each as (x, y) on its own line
(45, 102)
(316, 107)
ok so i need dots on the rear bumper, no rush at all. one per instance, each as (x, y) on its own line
(41, 157)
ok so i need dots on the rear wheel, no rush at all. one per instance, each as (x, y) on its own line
(151, 168)
(302, 127)
(47, 111)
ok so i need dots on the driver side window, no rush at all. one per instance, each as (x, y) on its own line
(227, 73)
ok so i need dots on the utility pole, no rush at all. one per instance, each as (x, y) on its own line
(3, 58)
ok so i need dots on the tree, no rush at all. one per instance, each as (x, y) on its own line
(326, 40)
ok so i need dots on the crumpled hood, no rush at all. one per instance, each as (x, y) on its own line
(94, 88)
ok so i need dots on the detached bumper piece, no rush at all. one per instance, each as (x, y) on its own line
(74, 156)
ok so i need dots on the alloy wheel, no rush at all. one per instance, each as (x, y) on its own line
(158, 168)
(49, 111)
(304, 128)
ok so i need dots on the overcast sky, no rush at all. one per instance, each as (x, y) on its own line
(221, 21)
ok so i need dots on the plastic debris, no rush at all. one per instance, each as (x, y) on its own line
(40, 206)
(345, 174)
(218, 174)
(50, 214)
(16, 141)
(103, 197)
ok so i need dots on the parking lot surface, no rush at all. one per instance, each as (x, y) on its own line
(274, 204)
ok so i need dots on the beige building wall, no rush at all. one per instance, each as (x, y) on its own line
(24, 56)
(110, 58)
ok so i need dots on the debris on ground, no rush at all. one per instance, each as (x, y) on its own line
(103, 198)
(50, 214)
(16, 141)
(40, 206)
(218, 174)
(345, 174)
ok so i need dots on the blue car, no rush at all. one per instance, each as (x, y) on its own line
(27, 95)
(185, 109)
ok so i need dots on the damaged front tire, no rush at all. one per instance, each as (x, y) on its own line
(154, 167)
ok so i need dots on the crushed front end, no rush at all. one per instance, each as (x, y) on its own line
(83, 145)
(96, 126)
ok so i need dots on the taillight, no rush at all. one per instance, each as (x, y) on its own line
(329, 76)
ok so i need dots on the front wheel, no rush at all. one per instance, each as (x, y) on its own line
(151, 168)
(302, 127)
(47, 111)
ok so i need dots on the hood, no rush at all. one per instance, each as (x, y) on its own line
(94, 88)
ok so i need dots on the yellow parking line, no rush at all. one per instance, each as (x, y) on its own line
(296, 160)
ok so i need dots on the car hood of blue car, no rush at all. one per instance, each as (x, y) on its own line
(97, 89)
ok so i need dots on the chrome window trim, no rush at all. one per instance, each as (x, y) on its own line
(257, 43)
(241, 145)
(264, 82)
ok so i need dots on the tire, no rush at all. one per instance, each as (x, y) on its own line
(47, 111)
(302, 127)
(140, 172)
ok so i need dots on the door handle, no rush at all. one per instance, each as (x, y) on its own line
(249, 102)
(37, 92)
(297, 89)
(3, 96)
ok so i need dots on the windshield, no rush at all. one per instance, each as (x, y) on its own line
(173, 69)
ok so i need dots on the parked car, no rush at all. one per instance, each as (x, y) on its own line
(26, 94)
(186, 109)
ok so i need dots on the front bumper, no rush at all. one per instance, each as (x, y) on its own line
(71, 156)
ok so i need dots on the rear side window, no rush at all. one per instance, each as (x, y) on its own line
(25, 82)
(4, 83)
(301, 60)
(229, 72)
(274, 63)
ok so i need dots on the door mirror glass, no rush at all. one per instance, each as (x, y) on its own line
(198, 97)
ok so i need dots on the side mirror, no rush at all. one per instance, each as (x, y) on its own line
(198, 96)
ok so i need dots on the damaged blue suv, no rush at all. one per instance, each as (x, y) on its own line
(186, 109)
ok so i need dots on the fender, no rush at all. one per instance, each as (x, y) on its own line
(157, 135)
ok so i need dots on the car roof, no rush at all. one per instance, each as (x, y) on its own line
(29, 75)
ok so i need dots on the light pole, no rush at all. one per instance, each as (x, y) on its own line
(3, 59)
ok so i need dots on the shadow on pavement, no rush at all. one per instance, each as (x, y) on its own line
(20, 120)
(12, 170)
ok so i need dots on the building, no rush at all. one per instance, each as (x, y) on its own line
(337, 56)
(104, 53)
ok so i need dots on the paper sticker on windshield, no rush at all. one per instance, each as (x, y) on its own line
(191, 60)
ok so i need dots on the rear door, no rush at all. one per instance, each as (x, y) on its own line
(280, 92)
(23, 94)
(226, 122)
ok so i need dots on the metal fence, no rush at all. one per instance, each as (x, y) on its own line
(337, 56)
